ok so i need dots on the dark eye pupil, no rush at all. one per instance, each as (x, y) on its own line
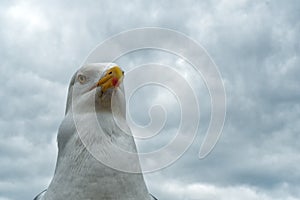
(81, 78)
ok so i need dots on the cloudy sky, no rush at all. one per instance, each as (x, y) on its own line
(254, 44)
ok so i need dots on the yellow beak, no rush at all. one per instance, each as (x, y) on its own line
(112, 78)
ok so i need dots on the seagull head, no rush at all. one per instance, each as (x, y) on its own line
(95, 80)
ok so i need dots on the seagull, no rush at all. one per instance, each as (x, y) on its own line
(86, 146)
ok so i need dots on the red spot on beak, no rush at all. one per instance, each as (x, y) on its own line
(115, 81)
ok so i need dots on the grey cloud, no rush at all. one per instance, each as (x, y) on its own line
(254, 43)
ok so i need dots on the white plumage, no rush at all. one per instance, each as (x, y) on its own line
(78, 175)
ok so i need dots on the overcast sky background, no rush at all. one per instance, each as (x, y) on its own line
(254, 43)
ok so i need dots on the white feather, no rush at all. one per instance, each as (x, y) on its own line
(78, 174)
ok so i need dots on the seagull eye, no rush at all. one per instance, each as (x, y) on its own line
(81, 79)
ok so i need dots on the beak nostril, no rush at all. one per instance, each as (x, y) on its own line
(123, 72)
